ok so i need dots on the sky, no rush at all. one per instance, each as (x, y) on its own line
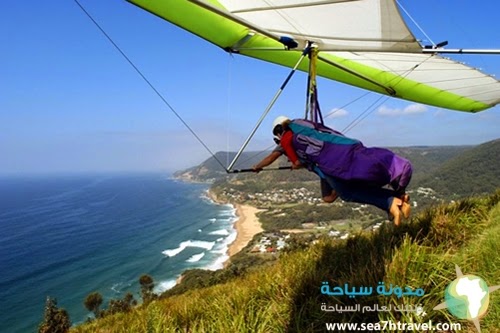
(69, 102)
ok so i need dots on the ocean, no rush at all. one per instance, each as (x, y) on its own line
(68, 236)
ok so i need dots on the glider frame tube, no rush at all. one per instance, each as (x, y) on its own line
(266, 111)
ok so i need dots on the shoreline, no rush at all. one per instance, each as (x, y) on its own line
(247, 225)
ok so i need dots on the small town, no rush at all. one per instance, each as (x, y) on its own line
(274, 242)
(273, 196)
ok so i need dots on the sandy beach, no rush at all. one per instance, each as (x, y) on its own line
(247, 226)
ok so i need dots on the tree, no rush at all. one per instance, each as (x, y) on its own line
(147, 285)
(55, 320)
(121, 305)
(92, 303)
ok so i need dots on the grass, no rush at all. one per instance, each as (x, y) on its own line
(286, 297)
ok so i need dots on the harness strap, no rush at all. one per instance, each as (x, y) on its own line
(313, 111)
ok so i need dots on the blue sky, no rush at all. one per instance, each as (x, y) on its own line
(70, 103)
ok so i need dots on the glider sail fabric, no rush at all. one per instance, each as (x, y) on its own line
(364, 43)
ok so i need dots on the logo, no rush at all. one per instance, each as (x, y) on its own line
(467, 297)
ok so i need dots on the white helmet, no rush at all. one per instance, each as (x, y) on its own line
(278, 121)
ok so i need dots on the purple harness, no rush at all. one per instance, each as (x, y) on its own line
(320, 147)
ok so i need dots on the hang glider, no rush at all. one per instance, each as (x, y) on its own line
(364, 43)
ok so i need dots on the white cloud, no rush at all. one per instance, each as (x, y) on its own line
(415, 108)
(387, 111)
(410, 109)
(337, 113)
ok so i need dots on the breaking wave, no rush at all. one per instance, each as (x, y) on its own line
(196, 257)
(190, 243)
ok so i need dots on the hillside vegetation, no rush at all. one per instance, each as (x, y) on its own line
(286, 297)
(475, 171)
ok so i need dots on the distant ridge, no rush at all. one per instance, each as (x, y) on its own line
(475, 171)
(210, 170)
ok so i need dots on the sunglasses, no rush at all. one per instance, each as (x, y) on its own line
(278, 129)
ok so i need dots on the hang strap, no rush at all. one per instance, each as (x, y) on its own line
(313, 111)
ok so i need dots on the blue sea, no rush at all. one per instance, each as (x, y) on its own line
(68, 236)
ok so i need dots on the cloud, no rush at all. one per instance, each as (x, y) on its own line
(337, 113)
(386, 111)
(410, 109)
(415, 108)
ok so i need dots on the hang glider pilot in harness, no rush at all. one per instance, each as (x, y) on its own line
(346, 167)
(365, 170)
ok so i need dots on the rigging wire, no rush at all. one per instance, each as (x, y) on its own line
(365, 113)
(150, 84)
(369, 110)
(228, 106)
(331, 113)
(415, 22)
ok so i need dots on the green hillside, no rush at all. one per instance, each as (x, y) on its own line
(287, 297)
(475, 171)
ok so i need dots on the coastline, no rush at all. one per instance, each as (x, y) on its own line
(247, 225)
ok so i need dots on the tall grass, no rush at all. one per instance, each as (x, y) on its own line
(286, 297)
